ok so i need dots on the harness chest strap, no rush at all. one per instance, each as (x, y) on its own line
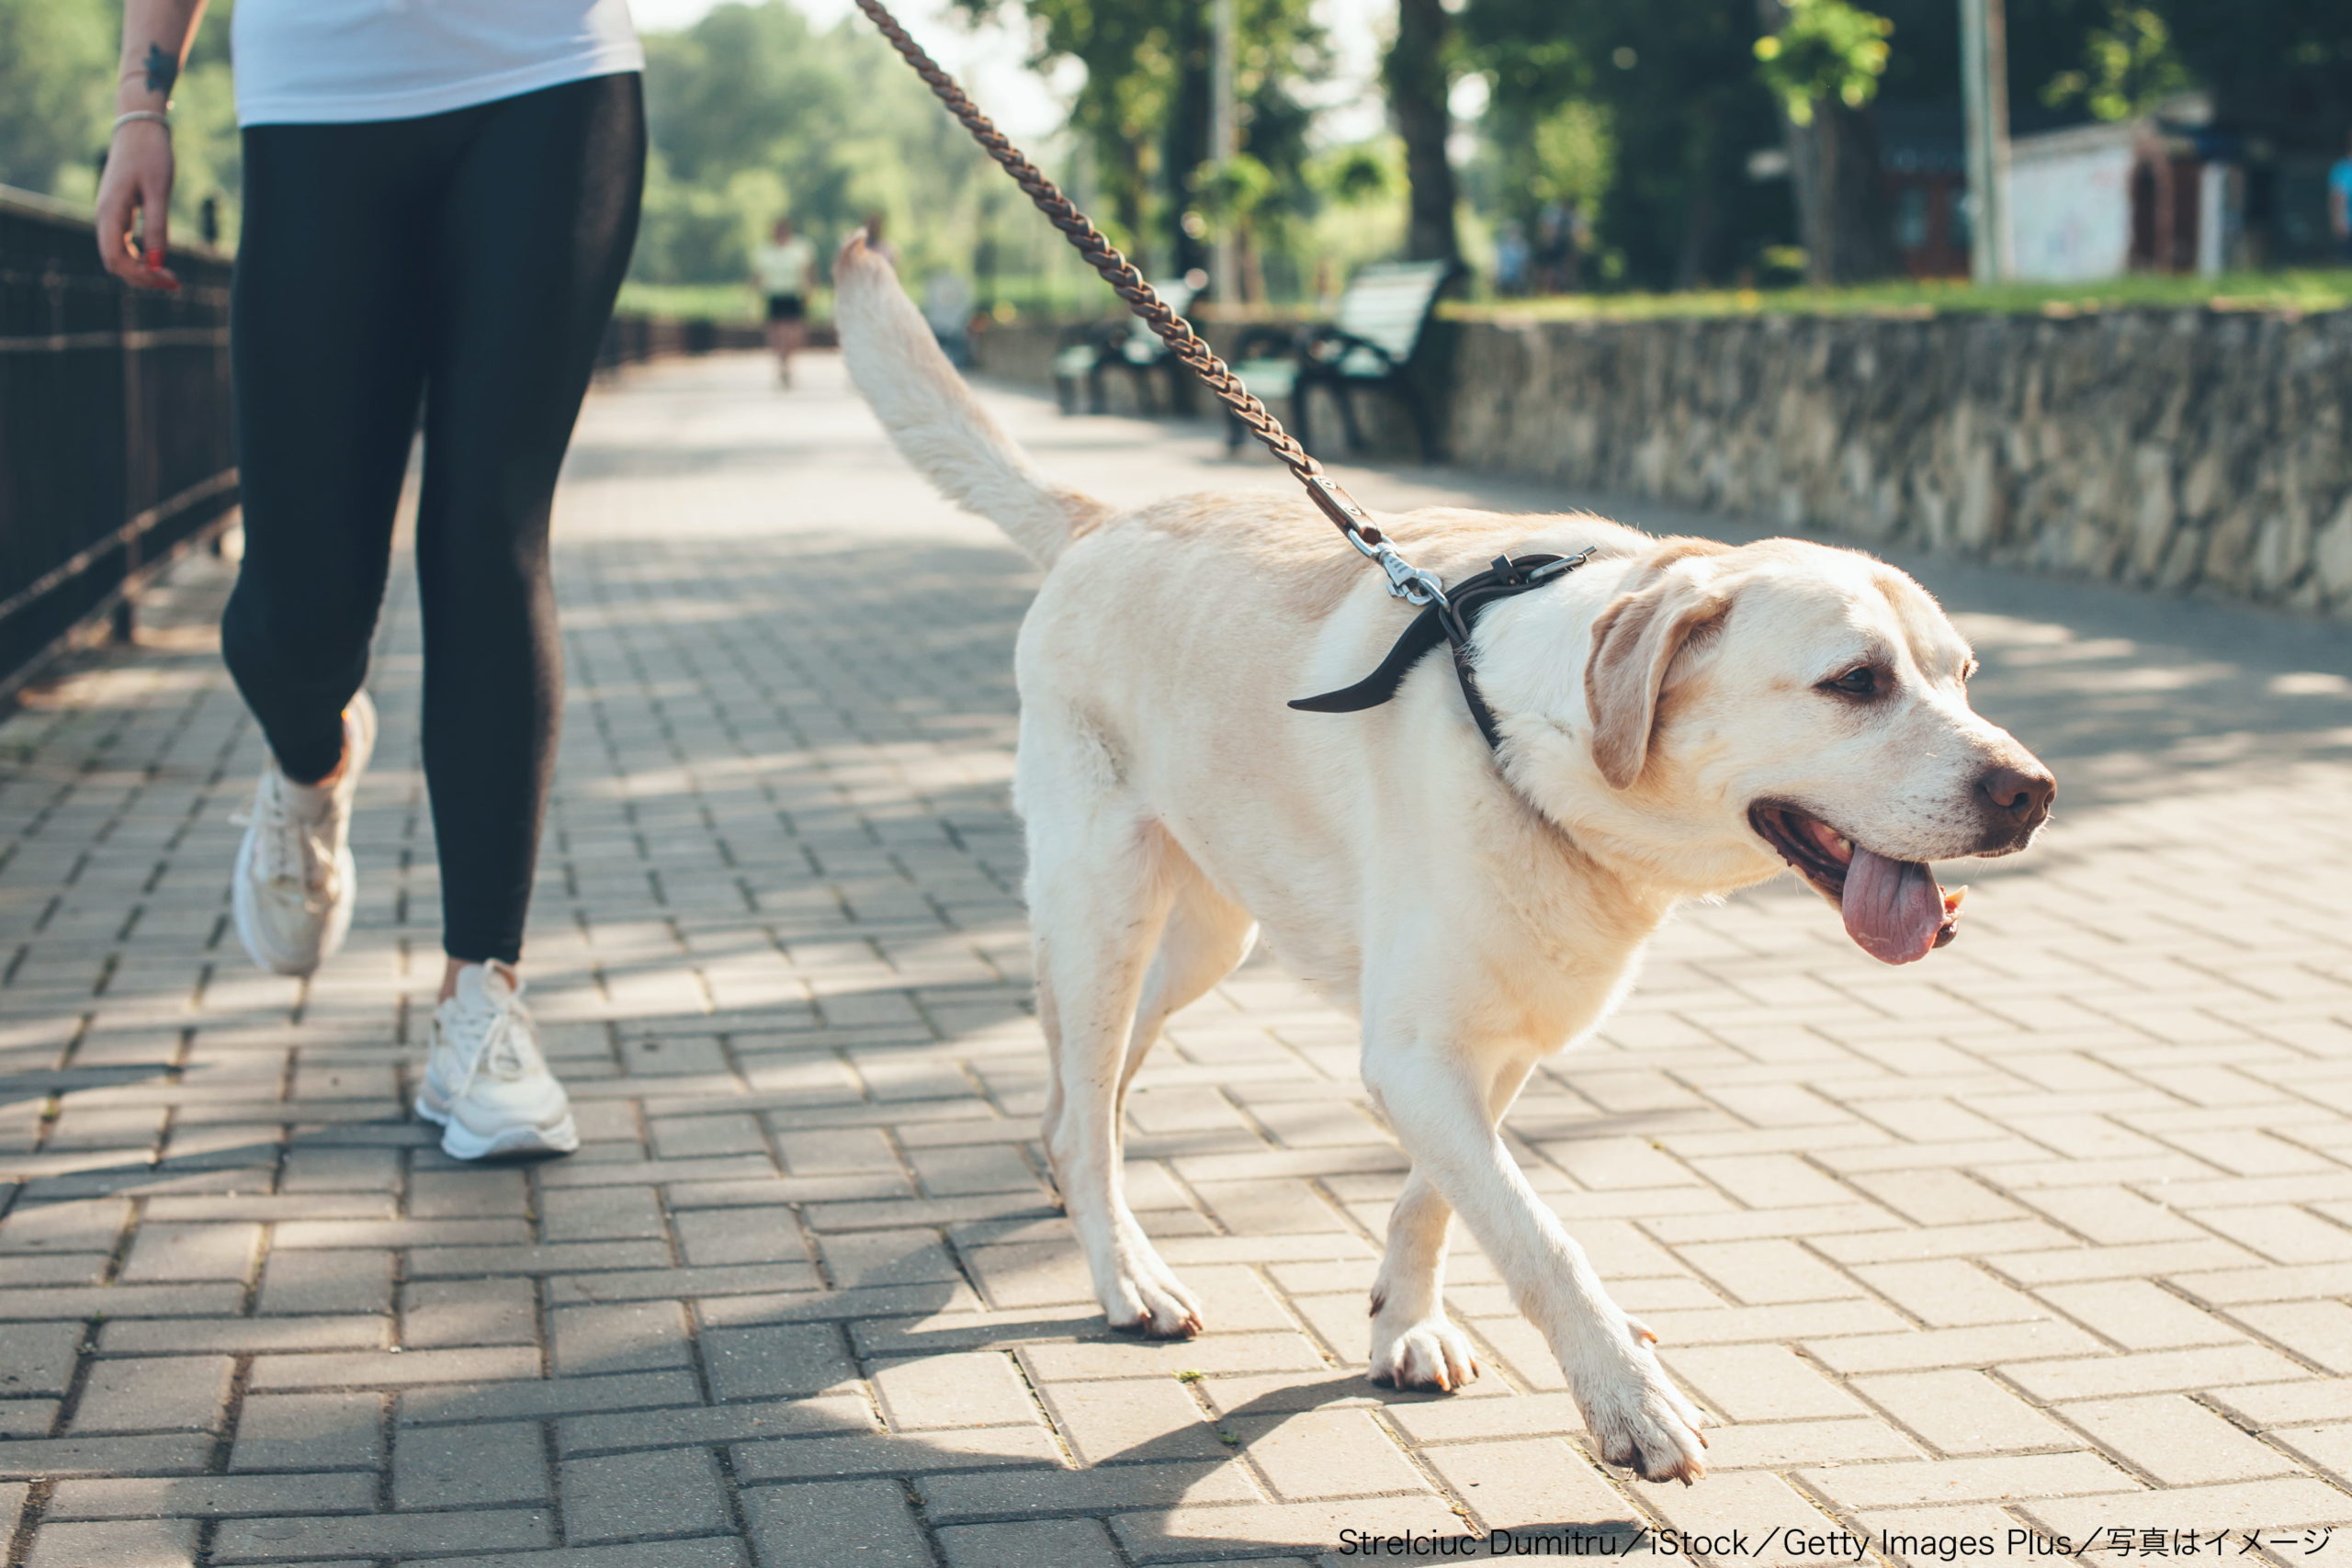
(1449, 620)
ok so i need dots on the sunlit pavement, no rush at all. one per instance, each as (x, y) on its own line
(2051, 1232)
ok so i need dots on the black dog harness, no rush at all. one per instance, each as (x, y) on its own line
(1449, 618)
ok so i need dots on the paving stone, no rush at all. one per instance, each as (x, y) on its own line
(600, 1213)
(2264, 1506)
(1078, 1543)
(1759, 1382)
(974, 1389)
(705, 1552)
(1325, 1454)
(955, 1495)
(447, 1312)
(1965, 1413)
(1129, 1420)
(824, 1459)
(167, 1394)
(1969, 1480)
(243, 1334)
(453, 1467)
(2149, 1371)
(2139, 1314)
(788, 1359)
(295, 1538)
(2319, 1332)
(1188, 1533)
(631, 1338)
(875, 1513)
(191, 1252)
(2175, 1440)
(667, 1492)
(129, 1543)
(1534, 1481)
(212, 1497)
(387, 1368)
(493, 1401)
(39, 1357)
(633, 1429)
(309, 1432)
(740, 1235)
(1750, 1508)
(343, 1281)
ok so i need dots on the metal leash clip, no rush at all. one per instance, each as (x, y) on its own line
(1406, 580)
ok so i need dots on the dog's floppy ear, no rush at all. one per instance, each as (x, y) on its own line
(1633, 645)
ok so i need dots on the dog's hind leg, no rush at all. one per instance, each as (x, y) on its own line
(1100, 887)
(1414, 1344)
(1207, 937)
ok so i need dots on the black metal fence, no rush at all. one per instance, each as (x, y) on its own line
(630, 339)
(116, 445)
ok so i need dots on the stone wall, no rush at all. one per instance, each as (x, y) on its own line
(2179, 449)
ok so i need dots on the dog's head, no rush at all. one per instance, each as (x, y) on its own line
(1788, 702)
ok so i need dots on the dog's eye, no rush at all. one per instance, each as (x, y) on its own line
(1861, 681)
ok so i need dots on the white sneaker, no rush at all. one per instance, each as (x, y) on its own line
(485, 1082)
(295, 884)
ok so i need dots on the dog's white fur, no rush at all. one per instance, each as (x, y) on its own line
(1476, 916)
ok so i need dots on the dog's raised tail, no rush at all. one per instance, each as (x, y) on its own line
(933, 417)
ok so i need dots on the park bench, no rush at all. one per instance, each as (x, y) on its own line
(1370, 346)
(1088, 352)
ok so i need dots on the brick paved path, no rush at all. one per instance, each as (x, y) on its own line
(2054, 1228)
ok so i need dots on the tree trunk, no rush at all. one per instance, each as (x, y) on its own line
(1419, 80)
(1835, 178)
(1185, 146)
(1841, 216)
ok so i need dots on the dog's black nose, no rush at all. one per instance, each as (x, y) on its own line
(2020, 796)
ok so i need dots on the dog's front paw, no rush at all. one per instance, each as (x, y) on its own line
(1639, 1418)
(1148, 1299)
(1430, 1354)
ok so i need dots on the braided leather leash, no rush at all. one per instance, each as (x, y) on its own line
(1406, 580)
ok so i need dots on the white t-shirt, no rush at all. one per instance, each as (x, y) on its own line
(313, 62)
(783, 268)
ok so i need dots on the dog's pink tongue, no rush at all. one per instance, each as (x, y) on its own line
(1894, 908)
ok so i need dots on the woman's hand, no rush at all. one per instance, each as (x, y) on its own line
(138, 181)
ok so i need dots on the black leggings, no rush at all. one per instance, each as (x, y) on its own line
(467, 261)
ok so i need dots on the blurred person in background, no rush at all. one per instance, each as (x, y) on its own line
(947, 310)
(2339, 202)
(872, 224)
(440, 202)
(784, 271)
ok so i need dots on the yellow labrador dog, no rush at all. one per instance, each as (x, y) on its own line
(1676, 718)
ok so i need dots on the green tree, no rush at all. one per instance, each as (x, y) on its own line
(2280, 70)
(1142, 114)
(57, 66)
(1420, 73)
(754, 115)
(1821, 59)
(1674, 89)
(56, 80)
(2128, 67)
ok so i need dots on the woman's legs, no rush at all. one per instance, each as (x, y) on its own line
(524, 257)
(327, 344)
(328, 347)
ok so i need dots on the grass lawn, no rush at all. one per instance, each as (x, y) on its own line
(2299, 291)
(691, 301)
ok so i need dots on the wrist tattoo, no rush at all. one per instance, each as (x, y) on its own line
(163, 69)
